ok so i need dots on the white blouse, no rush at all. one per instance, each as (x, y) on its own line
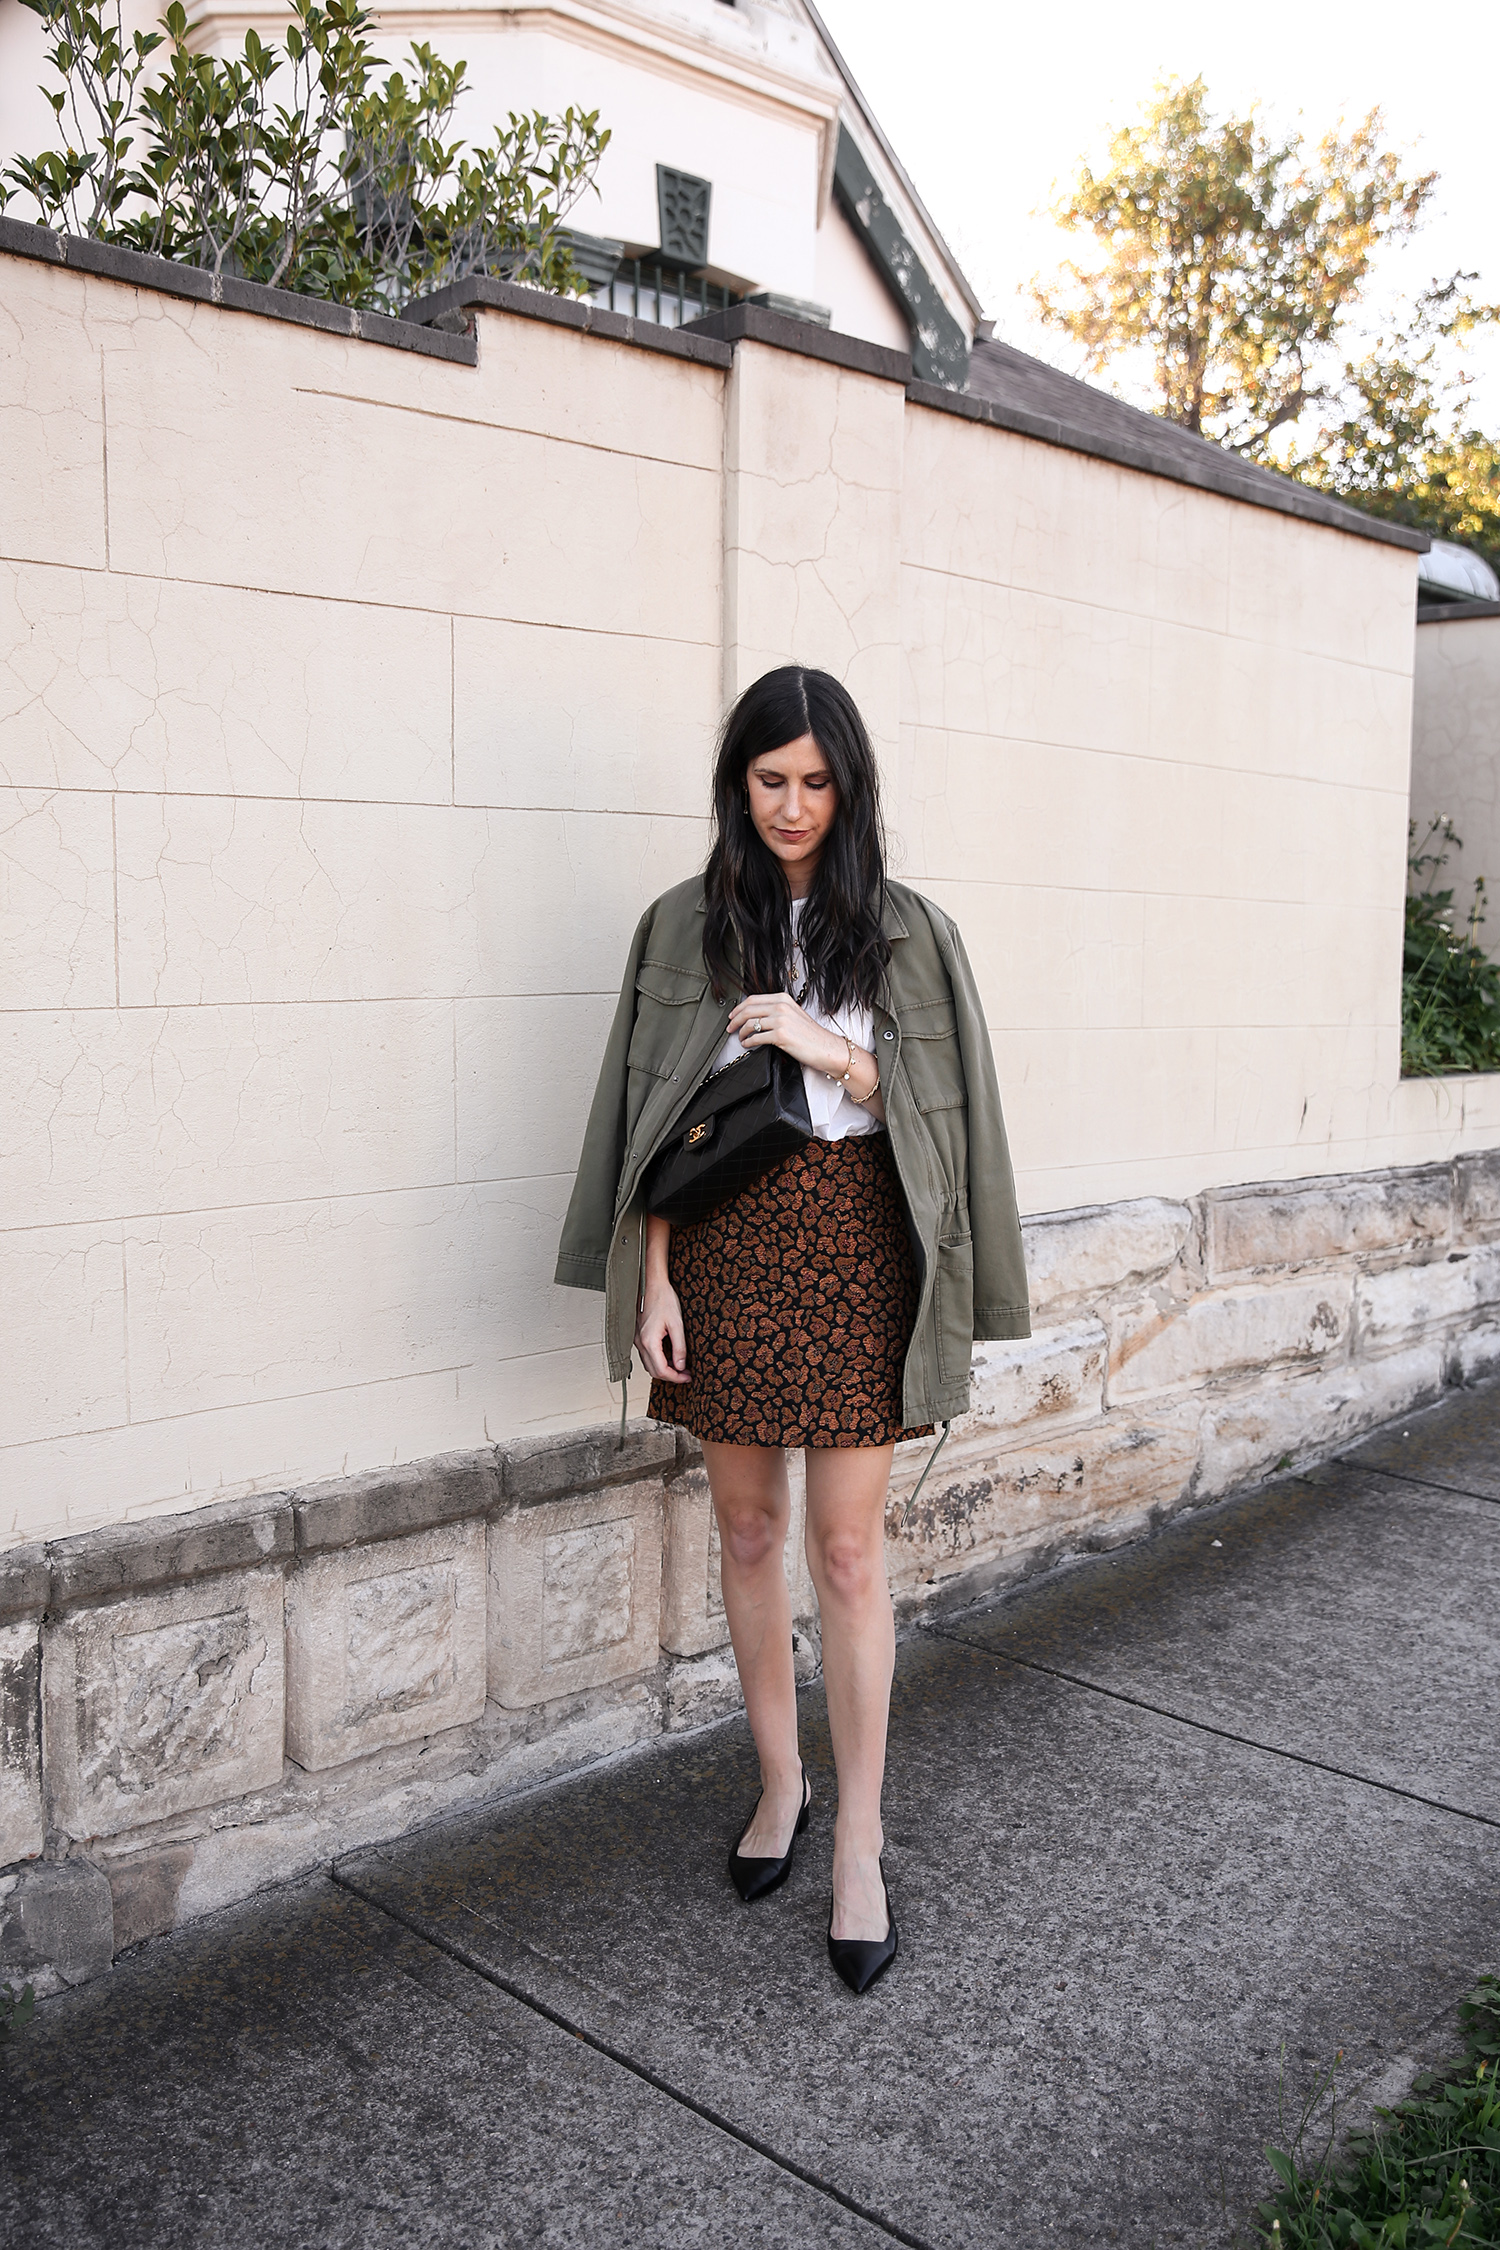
(834, 1116)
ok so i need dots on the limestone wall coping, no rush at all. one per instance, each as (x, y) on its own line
(544, 1468)
(169, 1550)
(386, 1503)
(323, 1518)
(25, 1581)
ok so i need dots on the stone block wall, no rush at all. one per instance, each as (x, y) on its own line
(201, 1705)
(1182, 1350)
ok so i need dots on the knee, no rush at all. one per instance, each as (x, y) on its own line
(850, 1567)
(748, 1534)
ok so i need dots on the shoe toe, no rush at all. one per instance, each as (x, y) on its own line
(753, 1878)
(859, 1961)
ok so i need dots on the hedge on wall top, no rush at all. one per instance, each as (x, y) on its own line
(297, 166)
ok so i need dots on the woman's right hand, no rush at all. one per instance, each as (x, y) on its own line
(659, 1334)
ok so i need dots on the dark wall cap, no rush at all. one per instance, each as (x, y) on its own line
(1206, 467)
(25, 1582)
(484, 293)
(111, 262)
(127, 1558)
(754, 324)
(417, 1496)
(550, 1468)
(1452, 613)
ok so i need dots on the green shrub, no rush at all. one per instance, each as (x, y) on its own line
(296, 166)
(1450, 988)
(1428, 2175)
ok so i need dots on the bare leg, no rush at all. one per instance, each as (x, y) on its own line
(753, 1504)
(846, 1493)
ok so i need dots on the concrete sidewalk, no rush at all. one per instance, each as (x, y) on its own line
(1152, 1821)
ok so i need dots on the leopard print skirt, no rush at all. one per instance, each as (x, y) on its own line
(798, 1299)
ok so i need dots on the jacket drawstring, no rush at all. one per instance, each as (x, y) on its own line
(640, 1290)
(922, 1479)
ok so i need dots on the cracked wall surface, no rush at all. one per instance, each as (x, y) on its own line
(353, 703)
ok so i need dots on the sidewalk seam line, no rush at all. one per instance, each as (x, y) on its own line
(616, 2055)
(1225, 1734)
(1428, 1484)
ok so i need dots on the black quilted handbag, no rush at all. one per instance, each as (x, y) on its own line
(739, 1123)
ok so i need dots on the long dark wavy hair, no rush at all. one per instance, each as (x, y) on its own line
(747, 937)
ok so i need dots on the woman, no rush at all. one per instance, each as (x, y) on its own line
(833, 1303)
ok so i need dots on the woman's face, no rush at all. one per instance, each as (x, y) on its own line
(794, 803)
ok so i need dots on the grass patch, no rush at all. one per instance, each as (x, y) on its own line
(1428, 2174)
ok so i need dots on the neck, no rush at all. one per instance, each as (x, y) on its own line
(799, 879)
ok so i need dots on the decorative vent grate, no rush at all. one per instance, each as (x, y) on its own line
(682, 208)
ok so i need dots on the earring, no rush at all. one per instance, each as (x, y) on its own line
(745, 801)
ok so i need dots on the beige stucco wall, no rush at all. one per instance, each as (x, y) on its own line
(1455, 751)
(354, 703)
(1155, 760)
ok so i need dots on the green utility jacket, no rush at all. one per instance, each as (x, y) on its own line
(942, 1110)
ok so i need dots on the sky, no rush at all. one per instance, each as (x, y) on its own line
(988, 108)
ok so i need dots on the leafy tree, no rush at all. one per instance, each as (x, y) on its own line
(1235, 263)
(1395, 439)
(292, 165)
(1230, 257)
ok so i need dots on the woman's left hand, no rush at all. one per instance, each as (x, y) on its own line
(773, 1019)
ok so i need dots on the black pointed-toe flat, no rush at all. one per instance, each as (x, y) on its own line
(757, 1878)
(859, 1961)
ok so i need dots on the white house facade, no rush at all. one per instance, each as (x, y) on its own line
(743, 161)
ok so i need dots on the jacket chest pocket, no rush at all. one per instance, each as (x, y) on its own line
(931, 1053)
(666, 1000)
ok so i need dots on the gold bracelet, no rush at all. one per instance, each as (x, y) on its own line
(832, 1078)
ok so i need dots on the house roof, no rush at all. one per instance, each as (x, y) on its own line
(1025, 394)
(872, 127)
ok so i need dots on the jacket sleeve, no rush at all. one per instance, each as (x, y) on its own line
(1001, 1298)
(583, 1253)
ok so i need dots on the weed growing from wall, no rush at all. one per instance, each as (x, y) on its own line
(297, 165)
